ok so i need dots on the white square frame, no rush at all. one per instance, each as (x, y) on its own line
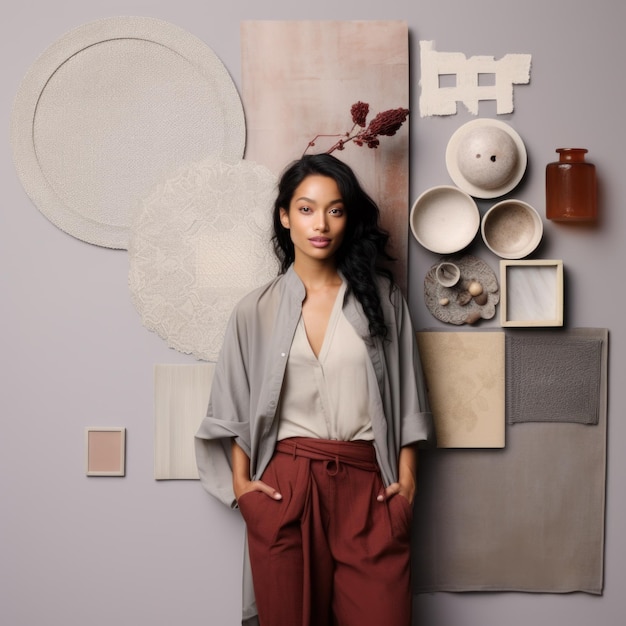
(117, 466)
(532, 293)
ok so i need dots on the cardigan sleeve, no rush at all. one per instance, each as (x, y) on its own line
(228, 414)
(411, 398)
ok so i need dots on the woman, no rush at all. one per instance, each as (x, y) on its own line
(317, 409)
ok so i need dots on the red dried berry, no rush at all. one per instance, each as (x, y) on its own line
(360, 111)
(388, 122)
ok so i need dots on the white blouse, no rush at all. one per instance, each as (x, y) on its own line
(327, 397)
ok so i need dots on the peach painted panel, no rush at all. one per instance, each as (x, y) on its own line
(105, 451)
(300, 79)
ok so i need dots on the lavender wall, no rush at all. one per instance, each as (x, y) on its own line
(78, 550)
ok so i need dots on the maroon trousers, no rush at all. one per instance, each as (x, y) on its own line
(328, 553)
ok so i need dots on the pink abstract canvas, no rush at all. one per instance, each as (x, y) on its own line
(300, 79)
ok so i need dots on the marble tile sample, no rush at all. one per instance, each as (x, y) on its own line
(532, 293)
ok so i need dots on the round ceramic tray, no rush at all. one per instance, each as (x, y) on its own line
(444, 219)
(486, 158)
(455, 305)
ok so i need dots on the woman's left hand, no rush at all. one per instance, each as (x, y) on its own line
(406, 491)
(407, 476)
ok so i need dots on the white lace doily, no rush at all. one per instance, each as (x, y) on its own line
(199, 243)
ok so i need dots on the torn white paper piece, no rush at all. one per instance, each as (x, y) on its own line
(474, 79)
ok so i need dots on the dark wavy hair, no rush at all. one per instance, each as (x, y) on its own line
(364, 246)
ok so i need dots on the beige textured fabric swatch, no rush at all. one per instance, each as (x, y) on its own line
(464, 374)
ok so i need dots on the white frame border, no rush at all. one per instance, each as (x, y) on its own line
(121, 471)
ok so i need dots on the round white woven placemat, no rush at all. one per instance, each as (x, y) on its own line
(109, 110)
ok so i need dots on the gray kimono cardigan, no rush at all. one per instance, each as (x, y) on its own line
(248, 379)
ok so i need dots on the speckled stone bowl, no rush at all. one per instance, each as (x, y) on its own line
(512, 229)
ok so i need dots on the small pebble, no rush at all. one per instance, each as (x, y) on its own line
(475, 288)
(481, 298)
(463, 298)
(472, 318)
(444, 301)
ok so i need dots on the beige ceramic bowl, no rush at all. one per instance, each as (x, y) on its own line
(512, 229)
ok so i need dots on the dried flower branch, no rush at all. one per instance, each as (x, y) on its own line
(386, 123)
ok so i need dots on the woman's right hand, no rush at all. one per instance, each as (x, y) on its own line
(241, 487)
(241, 476)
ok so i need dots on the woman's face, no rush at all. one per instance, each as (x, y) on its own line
(316, 219)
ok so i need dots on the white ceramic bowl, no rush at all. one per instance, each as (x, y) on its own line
(512, 229)
(444, 219)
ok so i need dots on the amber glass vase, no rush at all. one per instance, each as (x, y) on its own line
(571, 187)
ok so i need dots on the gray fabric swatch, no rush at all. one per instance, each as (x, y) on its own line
(552, 377)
